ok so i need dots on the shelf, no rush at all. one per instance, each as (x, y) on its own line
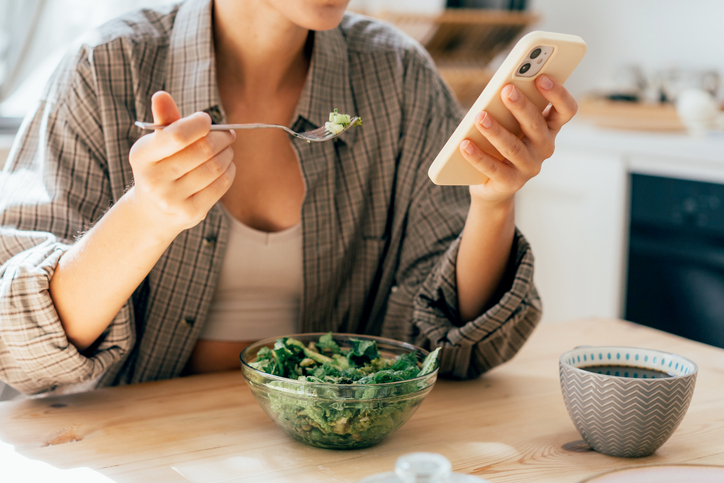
(471, 37)
(466, 82)
(463, 42)
(630, 115)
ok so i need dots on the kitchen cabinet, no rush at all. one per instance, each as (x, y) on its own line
(575, 213)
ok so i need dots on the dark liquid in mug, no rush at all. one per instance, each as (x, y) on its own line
(628, 371)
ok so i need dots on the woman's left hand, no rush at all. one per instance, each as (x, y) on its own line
(523, 157)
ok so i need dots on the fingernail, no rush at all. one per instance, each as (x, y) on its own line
(233, 134)
(512, 92)
(468, 147)
(545, 83)
(484, 119)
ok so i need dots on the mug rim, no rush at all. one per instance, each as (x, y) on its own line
(562, 360)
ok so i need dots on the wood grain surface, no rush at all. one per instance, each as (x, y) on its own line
(508, 426)
(631, 115)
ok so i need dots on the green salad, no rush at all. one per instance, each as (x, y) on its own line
(325, 361)
(339, 122)
(354, 407)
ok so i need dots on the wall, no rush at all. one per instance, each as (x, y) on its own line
(59, 24)
(655, 34)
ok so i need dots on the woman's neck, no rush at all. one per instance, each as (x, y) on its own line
(258, 50)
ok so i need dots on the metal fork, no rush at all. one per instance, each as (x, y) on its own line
(317, 135)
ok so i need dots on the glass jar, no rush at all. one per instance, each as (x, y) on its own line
(422, 468)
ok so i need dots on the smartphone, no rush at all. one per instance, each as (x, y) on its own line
(553, 54)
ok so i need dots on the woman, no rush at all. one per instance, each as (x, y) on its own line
(129, 257)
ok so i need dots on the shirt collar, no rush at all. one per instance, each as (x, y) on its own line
(191, 71)
(328, 84)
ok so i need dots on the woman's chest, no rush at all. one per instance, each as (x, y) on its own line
(268, 188)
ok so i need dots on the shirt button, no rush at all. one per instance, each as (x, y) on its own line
(209, 241)
(188, 321)
(393, 289)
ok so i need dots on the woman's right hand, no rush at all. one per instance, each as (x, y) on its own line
(180, 171)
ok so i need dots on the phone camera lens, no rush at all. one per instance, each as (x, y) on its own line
(535, 53)
(524, 68)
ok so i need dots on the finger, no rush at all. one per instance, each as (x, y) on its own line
(204, 174)
(194, 155)
(563, 105)
(177, 135)
(182, 133)
(166, 142)
(508, 145)
(164, 108)
(530, 119)
(499, 171)
(206, 198)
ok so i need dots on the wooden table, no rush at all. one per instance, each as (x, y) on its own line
(510, 425)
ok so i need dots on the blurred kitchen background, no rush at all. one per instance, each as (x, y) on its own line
(626, 219)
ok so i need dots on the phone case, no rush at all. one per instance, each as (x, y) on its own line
(450, 167)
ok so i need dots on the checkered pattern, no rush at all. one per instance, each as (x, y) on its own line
(380, 240)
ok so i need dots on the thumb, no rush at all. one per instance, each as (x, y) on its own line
(164, 108)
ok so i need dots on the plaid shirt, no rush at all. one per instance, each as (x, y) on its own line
(380, 240)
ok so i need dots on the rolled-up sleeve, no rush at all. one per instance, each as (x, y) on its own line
(426, 274)
(53, 188)
(494, 337)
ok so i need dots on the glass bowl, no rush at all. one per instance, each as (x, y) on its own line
(337, 416)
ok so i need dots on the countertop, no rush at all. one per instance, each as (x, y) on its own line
(583, 134)
(508, 426)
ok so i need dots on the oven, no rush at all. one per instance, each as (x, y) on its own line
(675, 274)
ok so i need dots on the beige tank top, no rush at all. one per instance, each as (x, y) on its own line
(260, 285)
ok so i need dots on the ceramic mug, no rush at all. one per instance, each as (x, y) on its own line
(626, 401)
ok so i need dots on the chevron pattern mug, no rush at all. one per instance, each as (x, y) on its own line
(626, 401)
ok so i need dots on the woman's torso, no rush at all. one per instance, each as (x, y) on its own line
(266, 194)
